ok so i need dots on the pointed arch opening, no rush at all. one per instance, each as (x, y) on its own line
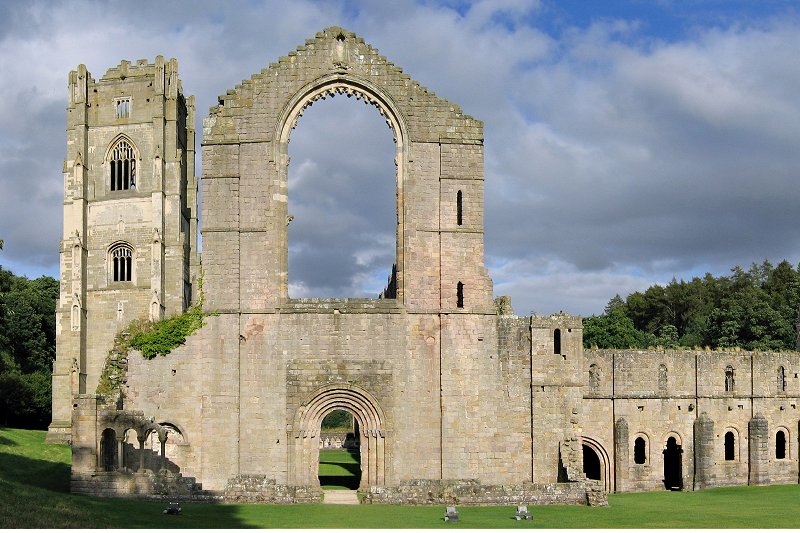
(371, 270)
(122, 158)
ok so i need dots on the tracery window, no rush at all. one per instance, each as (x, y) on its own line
(122, 161)
(122, 107)
(121, 262)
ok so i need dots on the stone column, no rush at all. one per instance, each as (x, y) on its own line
(621, 454)
(141, 454)
(703, 452)
(758, 430)
(120, 451)
(85, 436)
(163, 452)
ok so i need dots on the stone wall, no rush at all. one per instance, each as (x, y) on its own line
(681, 394)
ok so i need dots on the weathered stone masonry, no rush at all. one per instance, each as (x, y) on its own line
(453, 402)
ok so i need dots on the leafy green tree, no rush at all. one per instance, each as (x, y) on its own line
(27, 348)
(611, 330)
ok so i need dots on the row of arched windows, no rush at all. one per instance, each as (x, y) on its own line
(730, 445)
(730, 382)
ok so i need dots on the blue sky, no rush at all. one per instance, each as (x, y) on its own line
(626, 142)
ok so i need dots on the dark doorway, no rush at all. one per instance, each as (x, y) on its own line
(340, 455)
(591, 464)
(108, 450)
(673, 471)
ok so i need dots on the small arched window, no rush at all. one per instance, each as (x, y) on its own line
(459, 208)
(460, 295)
(730, 446)
(557, 341)
(729, 378)
(639, 451)
(781, 379)
(122, 161)
(780, 444)
(594, 376)
(121, 262)
(662, 377)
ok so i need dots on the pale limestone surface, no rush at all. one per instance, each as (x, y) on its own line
(452, 403)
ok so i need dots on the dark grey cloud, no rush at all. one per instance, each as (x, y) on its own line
(614, 158)
(342, 184)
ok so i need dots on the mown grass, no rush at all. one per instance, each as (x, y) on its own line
(34, 485)
(339, 469)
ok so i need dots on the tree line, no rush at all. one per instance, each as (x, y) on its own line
(754, 309)
(27, 348)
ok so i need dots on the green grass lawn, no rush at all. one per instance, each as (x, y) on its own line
(339, 469)
(34, 485)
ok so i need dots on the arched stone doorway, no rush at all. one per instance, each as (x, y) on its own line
(673, 466)
(305, 437)
(596, 463)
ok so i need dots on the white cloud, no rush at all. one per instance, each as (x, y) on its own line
(613, 158)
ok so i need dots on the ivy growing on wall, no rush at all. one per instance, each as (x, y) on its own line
(151, 339)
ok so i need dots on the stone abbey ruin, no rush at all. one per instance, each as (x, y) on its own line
(454, 403)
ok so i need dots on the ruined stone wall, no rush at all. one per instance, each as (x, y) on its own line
(143, 105)
(662, 393)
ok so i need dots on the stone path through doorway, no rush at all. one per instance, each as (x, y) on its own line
(340, 497)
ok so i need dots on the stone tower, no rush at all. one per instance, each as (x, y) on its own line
(130, 217)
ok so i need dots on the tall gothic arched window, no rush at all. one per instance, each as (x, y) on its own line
(121, 263)
(122, 161)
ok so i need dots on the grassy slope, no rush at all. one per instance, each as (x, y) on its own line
(34, 480)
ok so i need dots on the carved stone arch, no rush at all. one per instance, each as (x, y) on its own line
(737, 443)
(304, 436)
(120, 164)
(606, 468)
(336, 84)
(116, 140)
(675, 434)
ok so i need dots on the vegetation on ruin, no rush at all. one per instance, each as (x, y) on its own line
(150, 338)
(338, 419)
(27, 348)
(754, 309)
(34, 493)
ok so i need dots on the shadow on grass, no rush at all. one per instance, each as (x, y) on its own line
(340, 471)
(35, 493)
